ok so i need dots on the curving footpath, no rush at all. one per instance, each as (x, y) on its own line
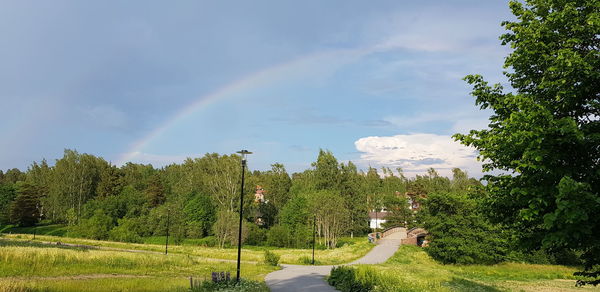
(311, 278)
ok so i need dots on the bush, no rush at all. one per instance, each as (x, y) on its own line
(256, 235)
(209, 241)
(278, 236)
(345, 279)
(96, 227)
(459, 234)
(564, 257)
(308, 261)
(231, 286)
(271, 258)
(126, 231)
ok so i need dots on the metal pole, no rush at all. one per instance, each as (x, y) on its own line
(314, 235)
(240, 226)
(34, 229)
(167, 242)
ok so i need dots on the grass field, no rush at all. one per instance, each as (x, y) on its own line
(31, 266)
(353, 249)
(42, 265)
(27, 265)
(411, 269)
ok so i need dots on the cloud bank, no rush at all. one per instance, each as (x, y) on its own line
(415, 153)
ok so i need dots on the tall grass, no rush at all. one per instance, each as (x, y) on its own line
(411, 269)
(145, 284)
(39, 266)
(351, 250)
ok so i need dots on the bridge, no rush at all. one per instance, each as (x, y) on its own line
(311, 278)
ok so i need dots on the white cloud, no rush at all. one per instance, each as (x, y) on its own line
(415, 153)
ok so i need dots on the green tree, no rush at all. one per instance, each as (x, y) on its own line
(373, 189)
(331, 214)
(200, 214)
(13, 176)
(96, 227)
(295, 216)
(226, 227)
(74, 180)
(458, 234)
(110, 181)
(222, 175)
(355, 198)
(545, 134)
(7, 194)
(277, 185)
(24, 210)
(399, 213)
(40, 177)
(326, 171)
(128, 230)
(155, 192)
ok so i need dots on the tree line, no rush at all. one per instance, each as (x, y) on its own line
(98, 200)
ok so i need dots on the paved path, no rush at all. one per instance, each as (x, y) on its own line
(295, 278)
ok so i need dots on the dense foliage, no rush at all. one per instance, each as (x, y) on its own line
(545, 137)
(345, 279)
(231, 286)
(199, 199)
(458, 233)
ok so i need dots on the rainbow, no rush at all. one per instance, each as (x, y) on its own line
(262, 77)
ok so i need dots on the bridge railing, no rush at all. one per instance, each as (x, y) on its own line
(375, 236)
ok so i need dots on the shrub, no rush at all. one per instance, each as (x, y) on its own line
(459, 234)
(308, 261)
(271, 258)
(231, 286)
(96, 227)
(256, 235)
(126, 231)
(200, 215)
(278, 236)
(209, 241)
(345, 279)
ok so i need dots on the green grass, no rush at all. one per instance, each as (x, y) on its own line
(411, 269)
(54, 230)
(42, 265)
(33, 266)
(351, 249)
(142, 284)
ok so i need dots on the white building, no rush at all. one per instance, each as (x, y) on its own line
(376, 219)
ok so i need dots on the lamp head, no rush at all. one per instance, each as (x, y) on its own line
(243, 153)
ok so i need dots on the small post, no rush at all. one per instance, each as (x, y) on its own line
(167, 241)
(314, 237)
(34, 230)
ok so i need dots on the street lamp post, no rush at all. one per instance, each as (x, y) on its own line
(243, 153)
(314, 235)
(167, 242)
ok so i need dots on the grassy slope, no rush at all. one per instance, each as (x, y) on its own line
(28, 266)
(411, 269)
(354, 249)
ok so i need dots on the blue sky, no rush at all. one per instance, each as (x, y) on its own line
(377, 83)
